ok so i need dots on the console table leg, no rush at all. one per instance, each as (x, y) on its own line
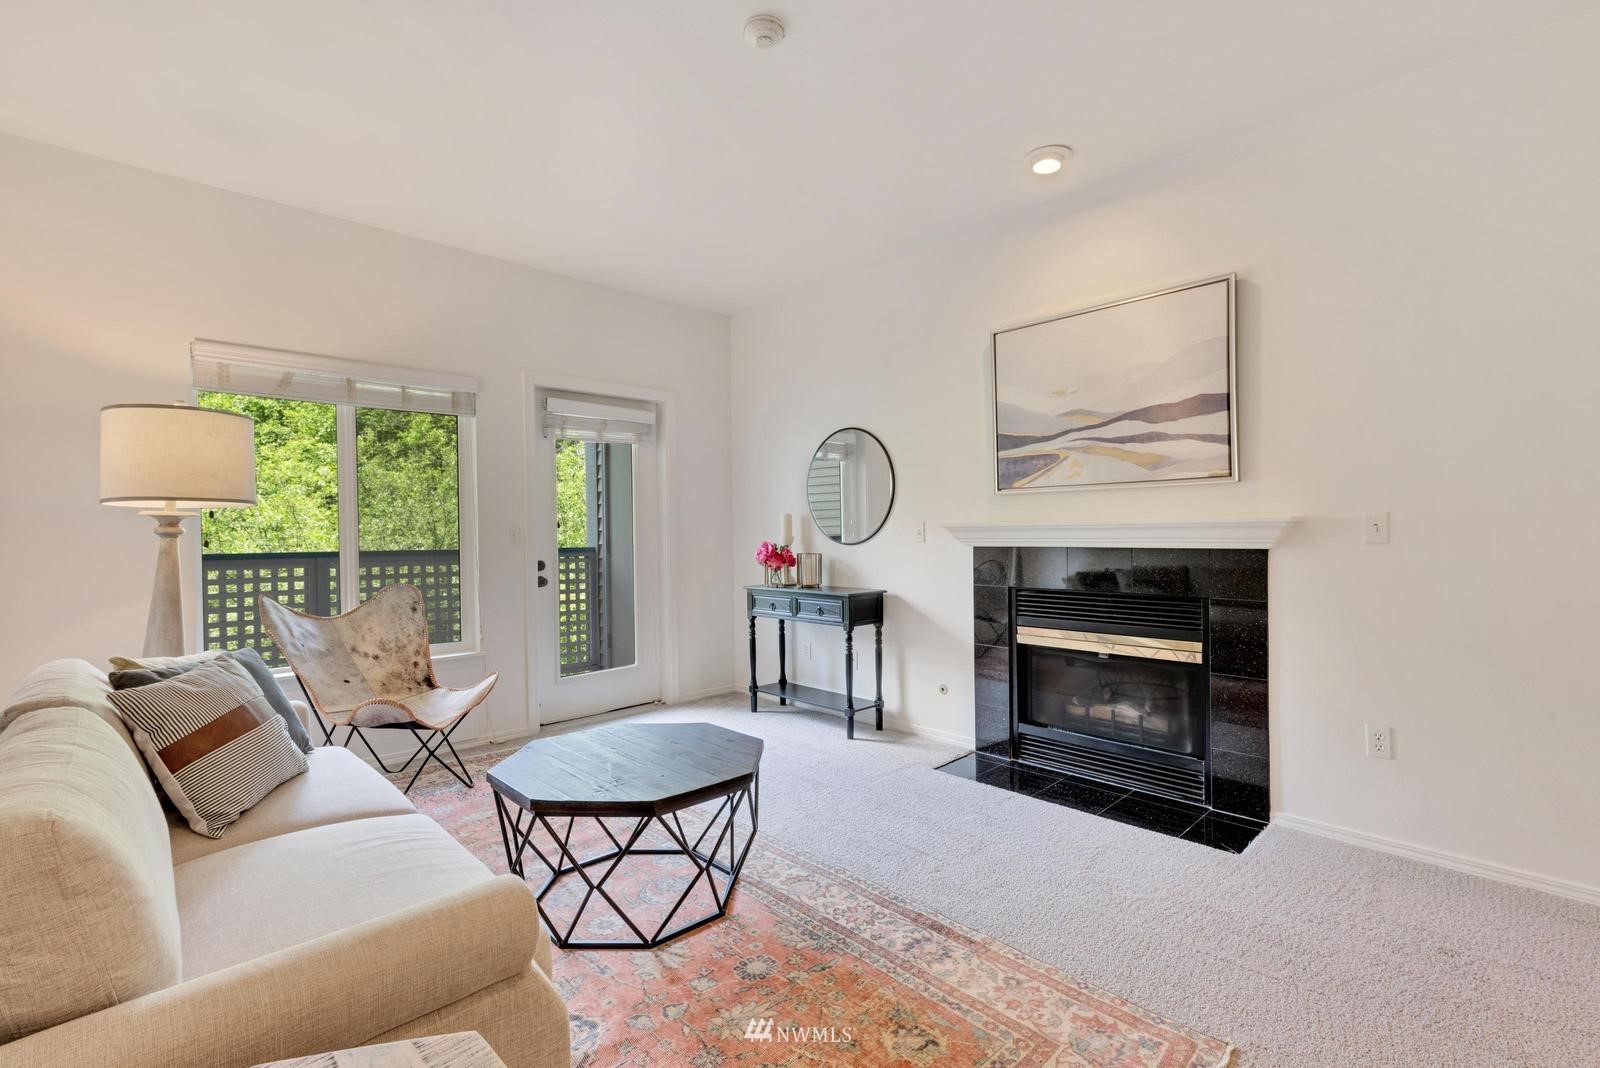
(753, 663)
(783, 676)
(849, 682)
(877, 657)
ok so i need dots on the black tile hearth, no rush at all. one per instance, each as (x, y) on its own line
(1227, 833)
(970, 766)
(1167, 817)
(1175, 819)
(1018, 778)
(1081, 795)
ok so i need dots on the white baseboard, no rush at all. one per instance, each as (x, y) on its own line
(1498, 872)
(710, 691)
(891, 721)
(933, 734)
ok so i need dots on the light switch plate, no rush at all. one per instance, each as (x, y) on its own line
(1375, 528)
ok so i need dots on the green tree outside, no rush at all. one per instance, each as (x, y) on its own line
(297, 480)
(572, 505)
(407, 481)
(407, 484)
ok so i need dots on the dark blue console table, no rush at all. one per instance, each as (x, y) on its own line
(842, 607)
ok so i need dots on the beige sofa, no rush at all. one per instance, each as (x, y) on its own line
(332, 915)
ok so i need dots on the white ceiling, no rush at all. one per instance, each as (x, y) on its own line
(643, 144)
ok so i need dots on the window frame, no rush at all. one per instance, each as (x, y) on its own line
(349, 514)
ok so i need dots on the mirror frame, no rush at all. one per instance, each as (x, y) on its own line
(894, 486)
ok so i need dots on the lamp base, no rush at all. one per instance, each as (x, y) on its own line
(163, 630)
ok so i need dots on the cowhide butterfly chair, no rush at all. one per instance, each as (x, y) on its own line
(369, 669)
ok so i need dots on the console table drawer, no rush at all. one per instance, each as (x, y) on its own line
(830, 611)
(772, 605)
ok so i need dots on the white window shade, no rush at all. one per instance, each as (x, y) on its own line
(592, 419)
(228, 368)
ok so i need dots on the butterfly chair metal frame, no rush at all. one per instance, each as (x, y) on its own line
(370, 669)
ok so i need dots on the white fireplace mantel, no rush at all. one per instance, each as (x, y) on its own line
(1183, 534)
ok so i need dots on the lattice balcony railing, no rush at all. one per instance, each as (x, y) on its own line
(577, 622)
(309, 582)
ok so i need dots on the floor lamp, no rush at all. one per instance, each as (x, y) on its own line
(170, 461)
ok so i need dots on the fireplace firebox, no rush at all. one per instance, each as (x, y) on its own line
(1112, 687)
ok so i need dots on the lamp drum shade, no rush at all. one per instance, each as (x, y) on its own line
(163, 456)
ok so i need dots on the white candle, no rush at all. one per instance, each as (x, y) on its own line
(788, 530)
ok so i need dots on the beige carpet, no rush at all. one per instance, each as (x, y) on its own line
(1303, 952)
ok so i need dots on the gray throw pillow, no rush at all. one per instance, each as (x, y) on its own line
(247, 658)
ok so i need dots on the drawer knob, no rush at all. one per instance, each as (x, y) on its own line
(819, 609)
(772, 604)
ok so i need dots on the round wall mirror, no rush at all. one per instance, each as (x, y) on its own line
(850, 485)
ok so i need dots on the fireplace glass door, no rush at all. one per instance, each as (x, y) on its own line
(1153, 704)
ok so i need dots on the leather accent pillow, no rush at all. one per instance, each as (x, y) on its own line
(213, 741)
(129, 673)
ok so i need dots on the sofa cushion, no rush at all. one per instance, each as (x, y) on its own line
(254, 899)
(214, 743)
(67, 684)
(88, 913)
(186, 661)
(338, 786)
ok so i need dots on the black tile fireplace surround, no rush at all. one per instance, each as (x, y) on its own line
(1225, 801)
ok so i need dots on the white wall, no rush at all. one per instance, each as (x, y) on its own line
(108, 272)
(1418, 276)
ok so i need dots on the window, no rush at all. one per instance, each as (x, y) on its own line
(595, 555)
(594, 440)
(353, 497)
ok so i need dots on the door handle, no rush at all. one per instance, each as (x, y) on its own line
(541, 565)
(543, 582)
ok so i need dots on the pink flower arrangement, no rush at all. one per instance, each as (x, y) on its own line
(774, 557)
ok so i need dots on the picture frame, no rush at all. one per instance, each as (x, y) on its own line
(1140, 391)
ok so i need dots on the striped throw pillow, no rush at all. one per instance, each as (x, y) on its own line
(213, 741)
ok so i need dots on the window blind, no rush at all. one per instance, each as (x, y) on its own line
(228, 368)
(825, 493)
(598, 419)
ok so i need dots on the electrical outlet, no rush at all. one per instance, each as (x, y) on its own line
(1380, 742)
(920, 532)
(1375, 528)
(806, 648)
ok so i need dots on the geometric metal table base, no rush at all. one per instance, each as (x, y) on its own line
(725, 855)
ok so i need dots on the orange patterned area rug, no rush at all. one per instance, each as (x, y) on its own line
(815, 967)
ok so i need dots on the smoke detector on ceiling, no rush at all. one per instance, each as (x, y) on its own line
(764, 31)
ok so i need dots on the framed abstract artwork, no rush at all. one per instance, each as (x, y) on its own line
(1138, 391)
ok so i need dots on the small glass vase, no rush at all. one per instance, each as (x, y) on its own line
(779, 576)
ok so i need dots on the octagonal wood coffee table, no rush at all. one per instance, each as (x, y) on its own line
(643, 776)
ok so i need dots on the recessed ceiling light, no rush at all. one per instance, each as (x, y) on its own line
(1049, 159)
